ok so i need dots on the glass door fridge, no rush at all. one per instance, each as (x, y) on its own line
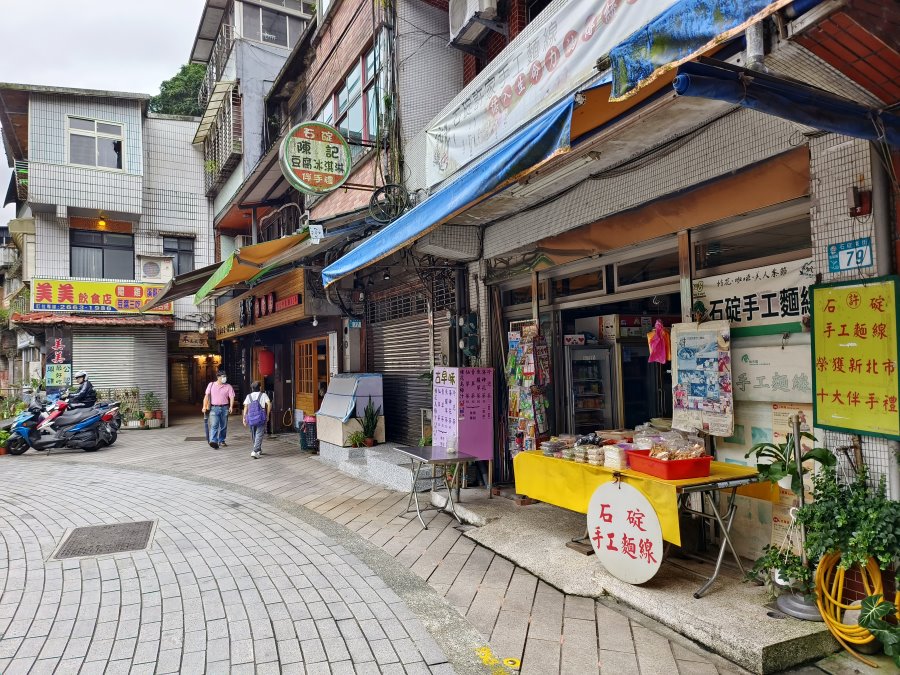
(589, 394)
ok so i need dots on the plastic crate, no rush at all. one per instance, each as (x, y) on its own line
(668, 469)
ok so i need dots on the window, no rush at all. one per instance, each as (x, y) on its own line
(95, 143)
(182, 251)
(271, 26)
(653, 267)
(101, 255)
(354, 108)
(772, 240)
(589, 282)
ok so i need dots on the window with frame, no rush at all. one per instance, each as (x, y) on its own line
(776, 240)
(353, 108)
(96, 143)
(268, 25)
(182, 251)
(101, 255)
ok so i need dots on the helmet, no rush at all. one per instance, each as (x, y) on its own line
(81, 373)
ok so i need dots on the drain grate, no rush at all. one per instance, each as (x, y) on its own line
(195, 438)
(105, 539)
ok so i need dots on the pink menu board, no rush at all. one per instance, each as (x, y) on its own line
(464, 407)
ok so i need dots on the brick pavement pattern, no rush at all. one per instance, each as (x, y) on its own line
(521, 618)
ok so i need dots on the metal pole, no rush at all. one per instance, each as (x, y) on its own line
(795, 424)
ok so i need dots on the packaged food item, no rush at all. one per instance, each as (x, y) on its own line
(614, 457)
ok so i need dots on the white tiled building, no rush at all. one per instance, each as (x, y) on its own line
(110, 193)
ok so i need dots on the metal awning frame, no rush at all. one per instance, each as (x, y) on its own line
(216, 101)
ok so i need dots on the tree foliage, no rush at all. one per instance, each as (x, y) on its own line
(178, 96)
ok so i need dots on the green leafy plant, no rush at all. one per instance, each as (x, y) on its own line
(150, 401)
(778, 460)
(875, 609)
(369, 419)
(789, 567)
(356, 439)
(425, 441)
(851, 519)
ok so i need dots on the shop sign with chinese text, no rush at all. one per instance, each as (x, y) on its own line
(58, 371)
(551, 59)
(765, 300)
(855, 378)
(101, 297)
(778, 374)
(625, 532)
(315, 158)
(193, 341)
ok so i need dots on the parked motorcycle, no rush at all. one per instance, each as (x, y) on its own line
(62, 427)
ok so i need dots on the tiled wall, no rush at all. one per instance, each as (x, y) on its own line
(429, 72)
(174, 199)
(92, 191)
(836, 164)
(735, 141)
(47, 141)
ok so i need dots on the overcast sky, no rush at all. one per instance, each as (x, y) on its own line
(93, 44)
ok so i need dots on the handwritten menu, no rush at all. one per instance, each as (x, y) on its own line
(463, 407)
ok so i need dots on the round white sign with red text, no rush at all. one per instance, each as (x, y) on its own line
(315, 158)
(625, 532)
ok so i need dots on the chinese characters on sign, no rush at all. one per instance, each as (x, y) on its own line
(532, 74)
(107, 297)
(762, 296)
(315, 158)
(58, 371)
(701, 378)
(855, 379)
(463, 407)
(772, 374)
(850, 255)
(625, 532)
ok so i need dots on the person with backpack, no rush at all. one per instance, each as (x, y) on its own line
(256, 413)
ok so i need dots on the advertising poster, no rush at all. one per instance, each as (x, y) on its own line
(772, 374)
(106, 297)
(855, 379)
(58, 370)
(701, 378)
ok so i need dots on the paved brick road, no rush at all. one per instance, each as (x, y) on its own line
(256, 562)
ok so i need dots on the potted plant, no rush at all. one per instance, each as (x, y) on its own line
(150, 402)
(781, 568)
(369, 422)
(779, 465)
(356, 439)
(875, 609)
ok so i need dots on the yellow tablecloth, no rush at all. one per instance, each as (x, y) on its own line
(569, 485)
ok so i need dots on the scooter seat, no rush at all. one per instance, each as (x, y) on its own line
(74, 416)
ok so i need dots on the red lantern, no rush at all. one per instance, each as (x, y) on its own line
(266, 362)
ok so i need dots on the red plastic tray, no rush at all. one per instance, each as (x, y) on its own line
(668, 469)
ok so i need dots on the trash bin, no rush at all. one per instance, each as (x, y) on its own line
(308, 438)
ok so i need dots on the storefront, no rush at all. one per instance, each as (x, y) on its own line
(267, 334)
(193, 361)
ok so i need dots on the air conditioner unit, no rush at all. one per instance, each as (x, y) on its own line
(243, 240)
(156, 270)
(465, 29)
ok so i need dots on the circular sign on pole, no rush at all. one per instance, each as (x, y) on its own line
(315, 158)
(625, 532)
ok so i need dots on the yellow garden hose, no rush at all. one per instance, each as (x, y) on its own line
(830, 600)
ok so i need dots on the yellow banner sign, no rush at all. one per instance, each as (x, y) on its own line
(105, 297)
(855, 356)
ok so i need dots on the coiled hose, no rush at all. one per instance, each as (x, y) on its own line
(830, 600)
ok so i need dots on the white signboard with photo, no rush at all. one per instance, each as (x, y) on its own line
(701, 378)
(549, 60)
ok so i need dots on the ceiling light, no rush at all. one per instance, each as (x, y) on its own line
(387, 274)
(315, 321)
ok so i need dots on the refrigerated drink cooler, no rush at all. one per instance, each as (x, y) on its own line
(589, 395)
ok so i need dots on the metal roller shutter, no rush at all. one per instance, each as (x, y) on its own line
(119, 358)
(181, 388)
(401, 351)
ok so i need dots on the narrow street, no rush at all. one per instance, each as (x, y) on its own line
(279, 565)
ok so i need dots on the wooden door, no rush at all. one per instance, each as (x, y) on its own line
(310, 371)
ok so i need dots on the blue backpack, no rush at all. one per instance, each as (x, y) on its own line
(256, 414)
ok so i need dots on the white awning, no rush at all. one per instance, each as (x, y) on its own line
(216, 101)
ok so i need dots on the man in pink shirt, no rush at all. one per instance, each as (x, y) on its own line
(219, 403)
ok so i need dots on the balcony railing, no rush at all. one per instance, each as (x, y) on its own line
(286, 220)
(216, 67)
(21, 169)
(224, 145)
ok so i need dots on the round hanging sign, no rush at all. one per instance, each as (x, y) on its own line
(315, 158)
(625, 532)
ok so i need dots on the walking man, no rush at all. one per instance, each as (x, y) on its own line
(256, 413)
(219, 403)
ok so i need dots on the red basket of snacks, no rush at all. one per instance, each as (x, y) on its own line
(668, 469)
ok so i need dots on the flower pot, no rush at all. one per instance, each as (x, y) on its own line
(158, 414)
(785, 482)
(370, 442)
(148, 414)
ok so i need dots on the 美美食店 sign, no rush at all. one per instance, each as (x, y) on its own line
(58, 371)
(106, 297)
(855, 379)
(315, 158)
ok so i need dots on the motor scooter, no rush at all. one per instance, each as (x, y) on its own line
(79, 428)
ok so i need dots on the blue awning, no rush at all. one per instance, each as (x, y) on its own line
(684, 31)
(787, 99)
(541, 139)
